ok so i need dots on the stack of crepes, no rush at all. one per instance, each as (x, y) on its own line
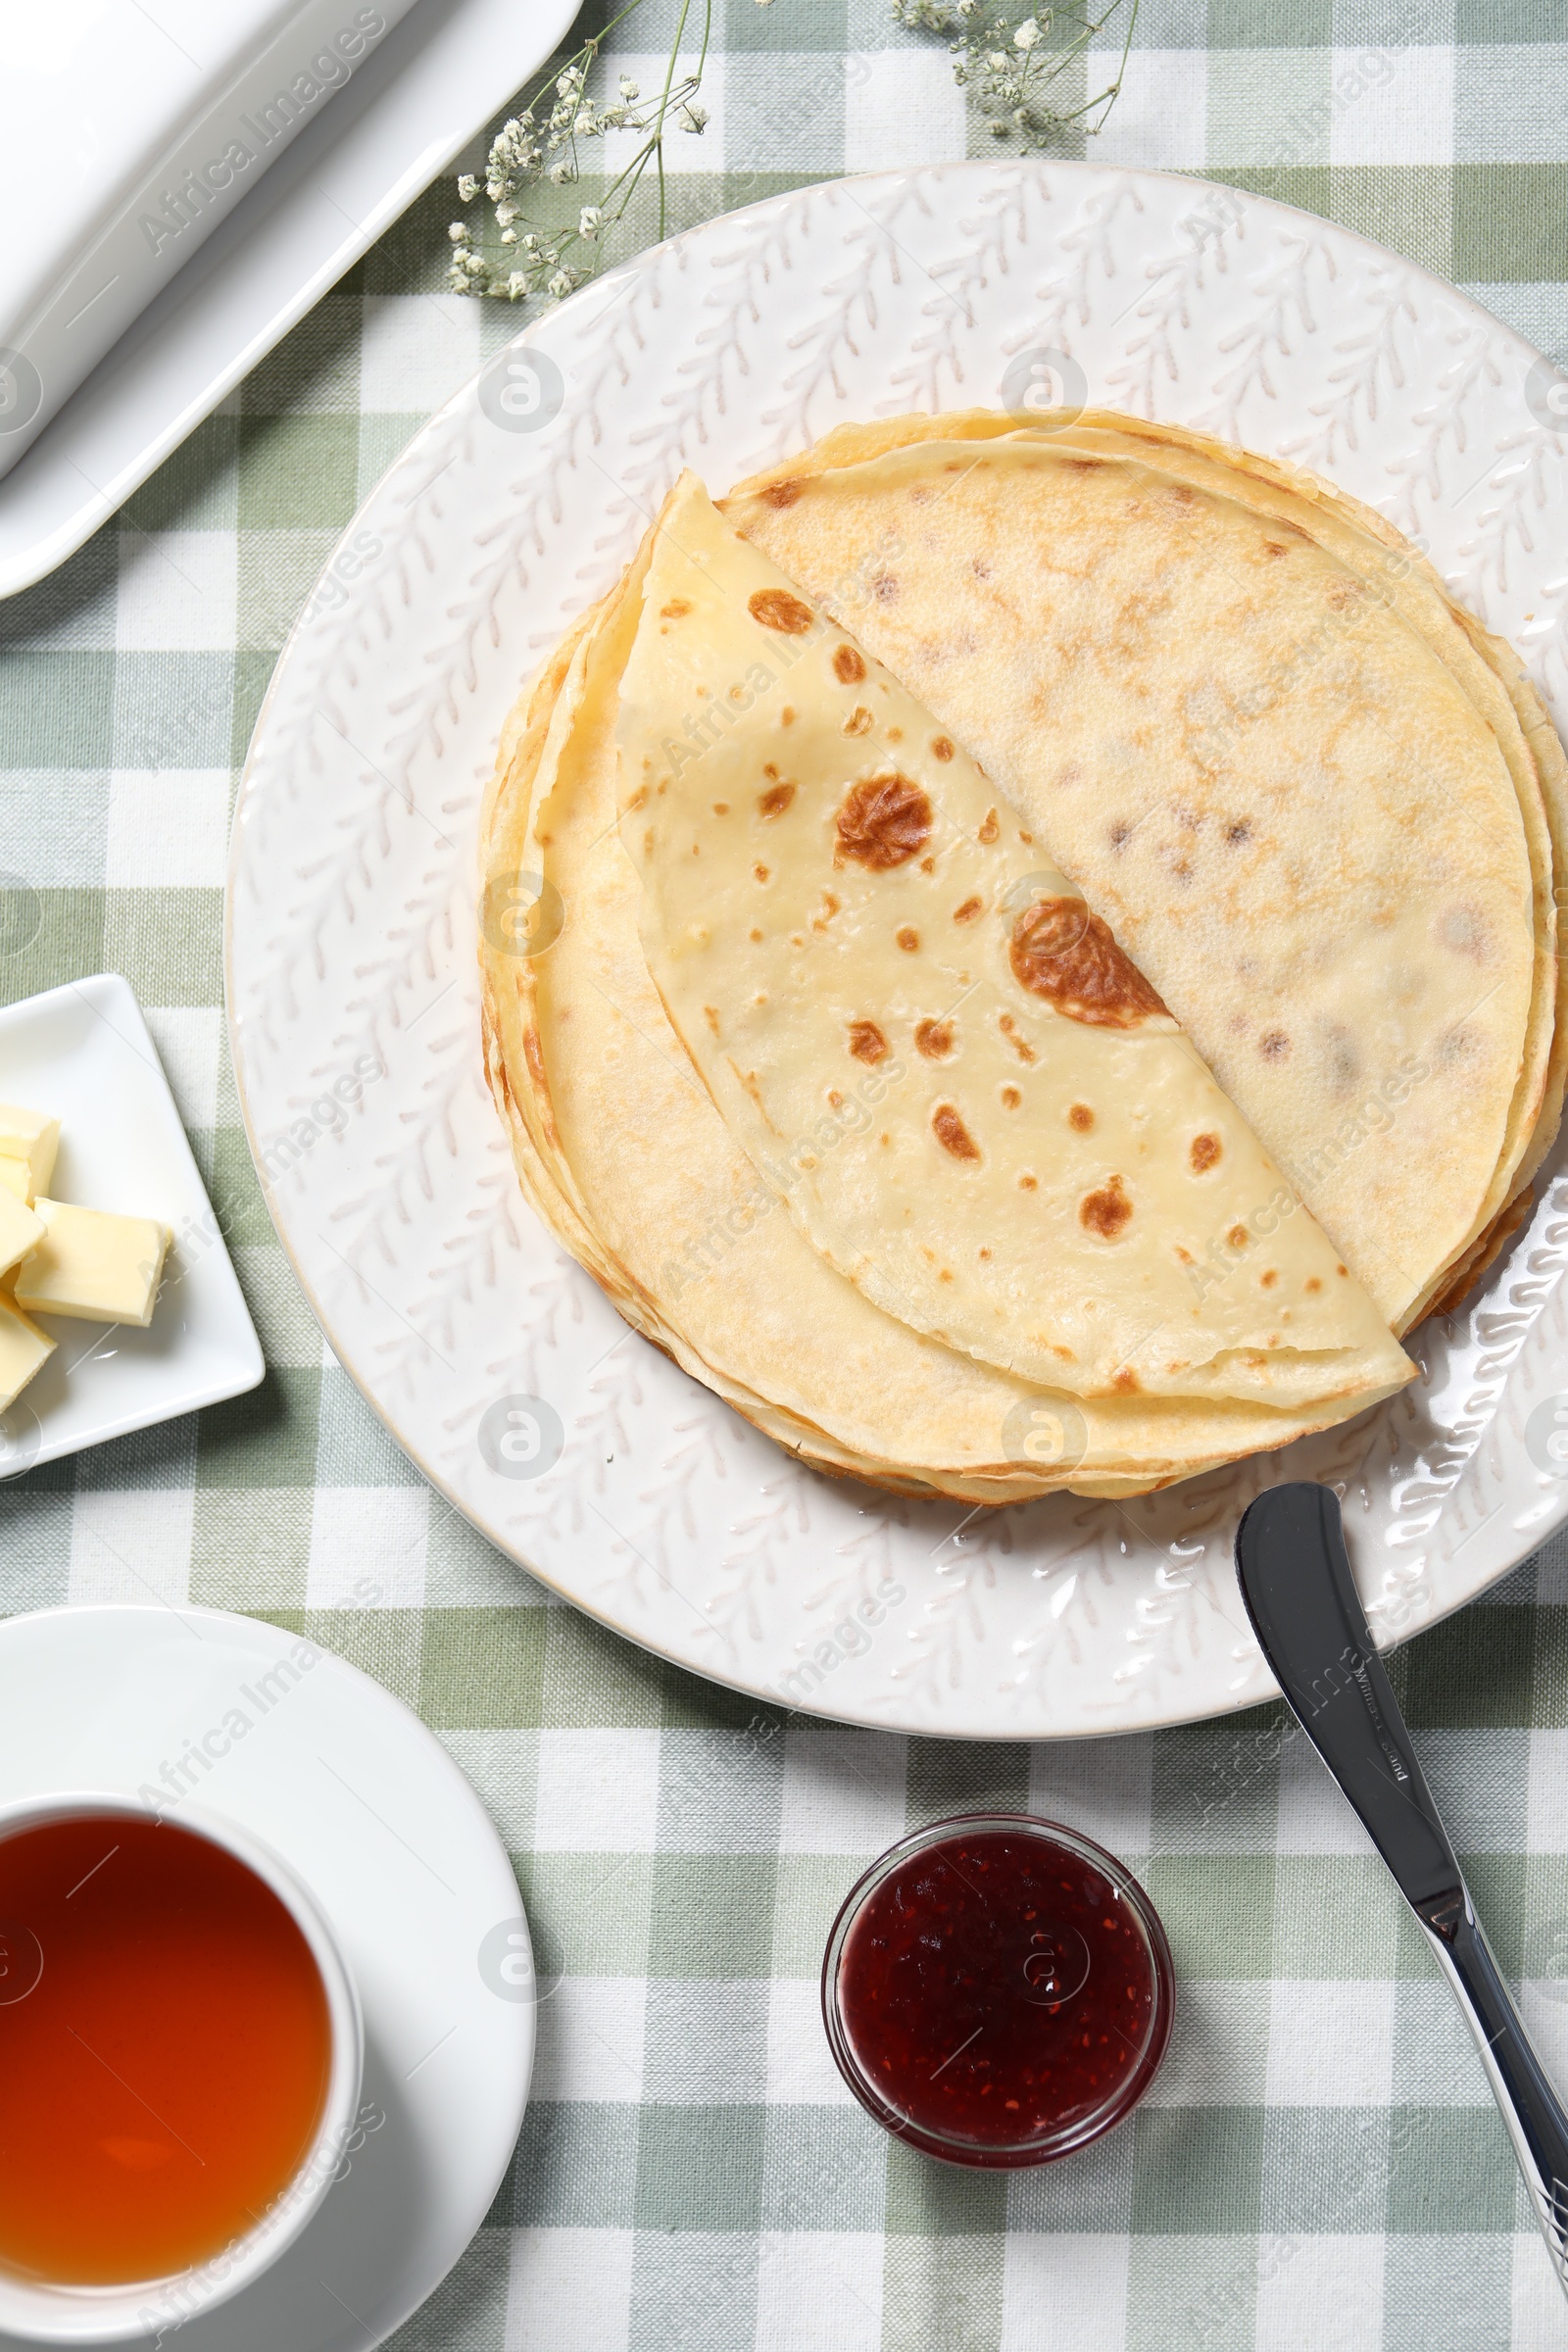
(1023, 955)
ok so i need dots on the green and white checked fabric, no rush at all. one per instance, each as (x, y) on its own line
(1320, 2168)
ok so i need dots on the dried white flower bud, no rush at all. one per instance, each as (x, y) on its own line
(1027, 35)
(459, 232)
(629, 89)
(467, 188)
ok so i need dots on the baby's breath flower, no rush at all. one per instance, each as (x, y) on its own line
(1013, 59)
(539, 147)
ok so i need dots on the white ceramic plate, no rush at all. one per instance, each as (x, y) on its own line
(342, 1781)
(82, 1053)
(440, 76)
(351, 931)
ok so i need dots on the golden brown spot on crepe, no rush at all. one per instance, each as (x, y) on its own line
(858, 721)
(759, 872)
(835, 1099)
(769, 769)
(1342, 1270)
(722, 808)
(928, 865)
(1204, 1152)
(951, 1133)
(894, 734)
(1020, 1045)
(977, 564)
(941, 748)
(884, 587)
(676, 608)
(1085, 464)
(1027, 839)
(867, 1041)
(848, 668)
(748, 1079)
(776, 608)
(1028, 1184)
(1107, 1210)
(775, 800)
(1313, 1283)
(1063, 953)
(1185, 1256)
(1269, 1279)
(1126, 1381)
(968, 911)
(909, 938)
(1238, 832)
(1081, 1117)
(755, 935)
(1341, 593)
(1237, 1237)
(786, 717)
(885, 821)
(1010, 1098)
(989, 828)
(934, 1038)
(984, 1253)
(1275, 1045)
(710, 1018)
(1120, 835)
(1272, 547)
(783, 494)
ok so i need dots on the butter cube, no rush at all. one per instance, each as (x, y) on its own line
(102, 1268)
(21, 1230)
(24, 1347)
(29, 1136)
(15, 1177)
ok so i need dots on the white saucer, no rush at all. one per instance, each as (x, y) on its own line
(364, 1802)
(436, 81)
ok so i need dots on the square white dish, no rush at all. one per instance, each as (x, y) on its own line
(82, 1053)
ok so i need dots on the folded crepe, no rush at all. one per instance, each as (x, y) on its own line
(1048, 1180)
(1317, 806)
(625, 1152)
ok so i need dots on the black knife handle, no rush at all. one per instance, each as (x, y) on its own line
(1300, 1595)
(1306, 1613)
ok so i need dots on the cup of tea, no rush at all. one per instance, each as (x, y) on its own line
(180, 2057)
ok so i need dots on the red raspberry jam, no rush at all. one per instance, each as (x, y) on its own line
(997, 1990)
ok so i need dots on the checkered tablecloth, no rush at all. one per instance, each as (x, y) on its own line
(1319, 2167)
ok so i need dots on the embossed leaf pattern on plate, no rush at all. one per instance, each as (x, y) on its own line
(351, 934)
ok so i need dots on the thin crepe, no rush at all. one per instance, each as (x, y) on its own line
(624, 1156)
(835, 899)
(1313, 801)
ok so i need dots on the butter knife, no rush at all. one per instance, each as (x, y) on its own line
(1300, 1595)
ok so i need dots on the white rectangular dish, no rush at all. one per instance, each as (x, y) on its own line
(82, 1053)
(434, 82)
(170, 121)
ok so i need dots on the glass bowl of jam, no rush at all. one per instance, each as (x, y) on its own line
(997, 1990)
